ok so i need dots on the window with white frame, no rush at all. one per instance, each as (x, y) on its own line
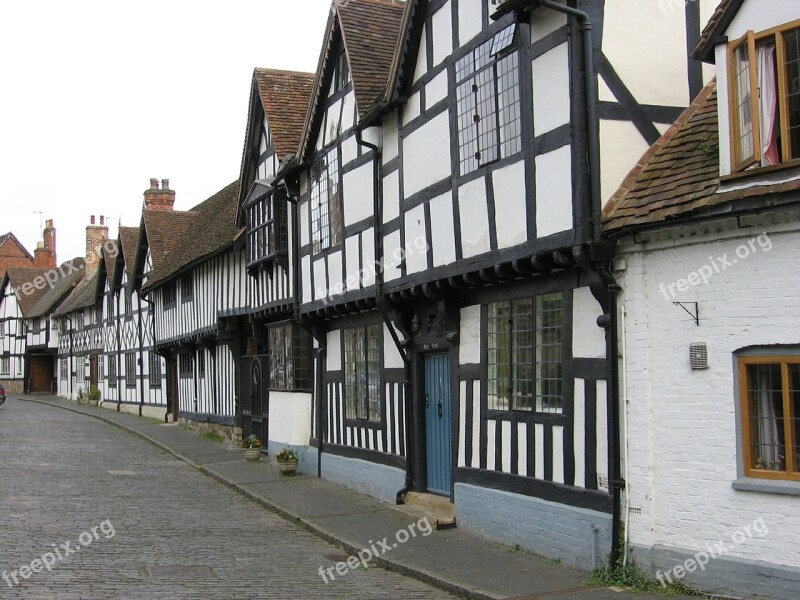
(5, 365)
(130, 369)
(524, 342)
(488, 101)
(36, 326)
(80, 369)
(100, 367)
(64, 369)
(362, 372)
(765, 97)
(326, 202)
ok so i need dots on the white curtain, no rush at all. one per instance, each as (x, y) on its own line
(771, 451)
(768, 104)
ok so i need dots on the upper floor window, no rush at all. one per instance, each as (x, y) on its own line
(289, 358)
(362, 372)
(326, 202)
(170, 295)
(488, 100)
(36, 326)
(110, 307)
(187, 287)
(525, 354)
(765, 98)
(128, 302)
(81, 319)
(342, 72)
(769, 389)
(266, 228)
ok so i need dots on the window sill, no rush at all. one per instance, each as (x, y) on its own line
(755, 173)
(766, 486)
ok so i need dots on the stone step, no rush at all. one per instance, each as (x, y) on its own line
(437, 509)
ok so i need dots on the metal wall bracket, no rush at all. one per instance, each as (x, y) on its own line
(686, 306)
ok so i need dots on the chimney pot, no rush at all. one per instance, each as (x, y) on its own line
(165, 184)
(92, 221)
(153, 183)
(39, 245)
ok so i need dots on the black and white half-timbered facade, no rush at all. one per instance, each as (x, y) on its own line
(452, 267)
(14, 303)
(197, 288)
(275, 370)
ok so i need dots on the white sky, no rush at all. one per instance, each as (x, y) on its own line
(98, 97)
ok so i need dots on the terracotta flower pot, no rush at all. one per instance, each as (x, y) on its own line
(287, 467)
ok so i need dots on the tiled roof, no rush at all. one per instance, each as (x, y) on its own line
(129, 238)
(213, 229)
(20, 260)
(164, 229)
(18, 278)
(83, 296)
(110, 258)
(678, 177)
(370, 29)
(704, 50)
(53, 296)
(284, 96)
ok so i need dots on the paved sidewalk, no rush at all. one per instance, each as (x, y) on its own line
(453, 560)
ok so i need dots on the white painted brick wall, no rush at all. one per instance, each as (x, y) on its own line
(682, 423)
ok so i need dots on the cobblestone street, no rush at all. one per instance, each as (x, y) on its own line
(176, 533)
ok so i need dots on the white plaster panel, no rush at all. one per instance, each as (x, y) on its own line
(391, 137)
(349, 150)
(411, 109)
(305, 268)
(621, 148)
(545, 21)
(442, 22)
(506, 445)
(352, 255)
(579, 432)
(647, 48)
(510, 208)
(349, 111)
(422, 54)
(416, 260)
(538, 429)
(426, 155)
(391, 196)
(558, 454)
(320, 289)
(723, 111)
(289, 417)
(604, 93)
(333, 350)
(333, 123)
(443, 230)
(358, 194)
(436, 90)
(551, 97)
(470, 21)
(602, 429)
(335, 271)
(588, 340)
(393, 255)
(469, 350)
(368, 257)
(759, 15)
(391, 355)
(474, 218)
(554, 192)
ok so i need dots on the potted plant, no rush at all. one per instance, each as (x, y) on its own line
(252, 448)
(287, 461)
(94, 395)
(81, 398)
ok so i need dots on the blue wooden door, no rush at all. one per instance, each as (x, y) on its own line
(438, 423)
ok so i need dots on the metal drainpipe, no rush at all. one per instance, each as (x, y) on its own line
(608, 321)
(378, 241)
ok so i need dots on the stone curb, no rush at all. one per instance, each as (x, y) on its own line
(390, 565)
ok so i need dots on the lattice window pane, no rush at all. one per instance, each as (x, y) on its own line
(792, 49)
(744, 110)
(549, 352)
(522, 354)
(326, 205)
(503, 39)
(498, 355)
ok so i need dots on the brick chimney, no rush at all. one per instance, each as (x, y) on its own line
(44, 257)
(156, 198)
(96, 235)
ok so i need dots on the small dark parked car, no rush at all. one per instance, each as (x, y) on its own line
(2, 394)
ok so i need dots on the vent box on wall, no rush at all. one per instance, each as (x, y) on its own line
(698, 356)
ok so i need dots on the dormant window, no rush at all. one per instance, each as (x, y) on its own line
(769, 388)
(765, 97)
(525, 354)
(362, 372)
(289, 358)
(488, 98)
(326, 202)
(266, 228)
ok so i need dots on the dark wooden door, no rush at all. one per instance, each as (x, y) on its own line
(41, 374)
(255, 398)
(93, 371)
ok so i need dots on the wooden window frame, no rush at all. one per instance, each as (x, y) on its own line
(744, 403)
(327, 221)
(751, 39)
(130, 374)
(375, 420)
(187, 287)
(80, 370)
(173, 291)
(5, 365)
(154, 368)
(112, 371)
(270, 216)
